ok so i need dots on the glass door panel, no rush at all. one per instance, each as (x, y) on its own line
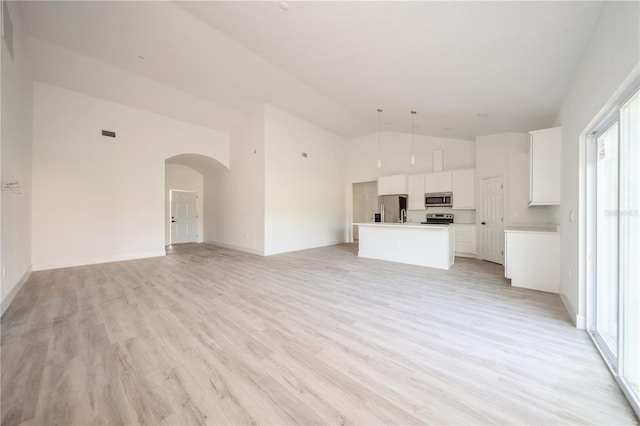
(606, 324)
(630, 244)
(613, 218)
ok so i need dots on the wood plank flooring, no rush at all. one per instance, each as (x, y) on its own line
(208, 335)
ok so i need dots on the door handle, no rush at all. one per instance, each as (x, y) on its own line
(483, 223)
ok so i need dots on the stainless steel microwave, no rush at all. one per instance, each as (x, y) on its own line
(438, 199)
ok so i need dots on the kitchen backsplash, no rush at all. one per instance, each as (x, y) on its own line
(460, 216)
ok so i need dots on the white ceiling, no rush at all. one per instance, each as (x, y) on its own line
(335, 63)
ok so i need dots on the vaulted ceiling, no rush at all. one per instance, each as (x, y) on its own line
(467, 68)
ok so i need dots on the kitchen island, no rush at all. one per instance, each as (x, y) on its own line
(412, 243)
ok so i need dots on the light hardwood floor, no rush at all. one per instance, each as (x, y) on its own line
(208, 335)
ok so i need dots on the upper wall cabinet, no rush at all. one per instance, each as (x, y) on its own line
(463, 189)
(392, 185)
(416, 192)
(438, 182)
(544, 163)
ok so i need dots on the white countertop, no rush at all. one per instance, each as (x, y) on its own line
(402, 225)
(530, 229)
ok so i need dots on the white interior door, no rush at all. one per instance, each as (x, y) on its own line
(492, 220)
(184, 217)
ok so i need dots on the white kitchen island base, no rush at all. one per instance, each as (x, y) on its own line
(415, 244)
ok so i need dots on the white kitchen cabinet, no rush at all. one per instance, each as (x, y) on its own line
(392, 185)
(545, 167)
(414, 244)
(431, 183)
(465, 239)
(463, 189)
(532, 259)
(416, 192)
(439, 182)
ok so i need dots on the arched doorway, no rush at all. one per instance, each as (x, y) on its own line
(186, 196)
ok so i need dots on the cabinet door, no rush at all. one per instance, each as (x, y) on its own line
(465, 239)
(445, 181)
(544, 174)
(507, 264)
(416, 189)
(533, 260)
(392, 185)
(383, 185)
(438, 182)
(463, 189)
(431, 183)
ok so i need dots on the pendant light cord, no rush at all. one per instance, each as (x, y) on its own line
(413, 153)
(379, 144)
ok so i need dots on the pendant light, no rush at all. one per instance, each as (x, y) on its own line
(413, 153)
(379, 160)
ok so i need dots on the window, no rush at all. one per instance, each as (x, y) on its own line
(613, 219)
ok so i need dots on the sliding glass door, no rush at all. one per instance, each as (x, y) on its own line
(629, 280)
(614, 237)
(606, 289)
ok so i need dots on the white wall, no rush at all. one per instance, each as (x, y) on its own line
(506, 155)
(612, 56)
(272, 200)
(179, 177)
(15, 164)
(395, 151)
(234, 198)
(61, 67)
(304, 197)
(98, 199)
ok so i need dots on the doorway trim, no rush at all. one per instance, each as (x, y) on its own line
(171, 216)
(481, 218)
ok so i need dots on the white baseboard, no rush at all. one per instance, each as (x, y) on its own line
(579, 321)
(469, 255)
(239, 248)
(262, 252)
(306, 247)
(6, 302)
(93, 260)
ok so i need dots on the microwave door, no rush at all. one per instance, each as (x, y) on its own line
(433, 201)
(438, 200)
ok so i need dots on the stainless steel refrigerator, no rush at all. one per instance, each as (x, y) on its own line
(391, 206)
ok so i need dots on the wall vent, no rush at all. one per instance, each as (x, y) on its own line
(109, 133)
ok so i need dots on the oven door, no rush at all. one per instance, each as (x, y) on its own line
(439, 221)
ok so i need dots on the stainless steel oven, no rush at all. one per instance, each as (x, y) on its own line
(439, 219)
